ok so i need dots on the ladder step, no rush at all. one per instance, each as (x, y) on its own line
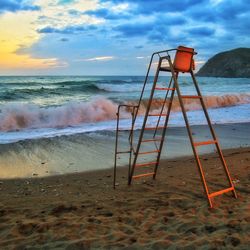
(160, 88)
(152, 128)
(165, 69)
(201, 143)
(146, 164)
(142, 175)
(157, 114)
(123, 152)
(150, 140)
(221, 192)
(149, 152)
(191, 96)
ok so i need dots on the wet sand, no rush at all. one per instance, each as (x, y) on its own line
(82, 211)
(84, 152)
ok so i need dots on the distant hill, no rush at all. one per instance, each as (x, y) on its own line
(233, 63)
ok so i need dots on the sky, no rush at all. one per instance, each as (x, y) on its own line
(113, 37)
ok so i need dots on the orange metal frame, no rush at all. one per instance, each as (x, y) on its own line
(184, 63)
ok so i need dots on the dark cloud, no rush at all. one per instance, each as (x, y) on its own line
(201, 31)
(64, 39)
(171, 20)
(139, 47)
(231, 16)
(153, 6)
(167, 37)
(16, 5)
(225, 11)
(67, 30)
(205, 14)
(230, 10)
(134, 29)
(107, 14)
(74, 12)
(155, 30)
(234, 17)
(156, 37)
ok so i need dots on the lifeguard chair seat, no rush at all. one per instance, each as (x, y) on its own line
(183, 61)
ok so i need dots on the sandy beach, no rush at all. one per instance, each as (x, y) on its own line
(97, 94)
(82, 211)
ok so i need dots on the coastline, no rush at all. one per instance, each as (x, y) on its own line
(78, 211)
(84, 152)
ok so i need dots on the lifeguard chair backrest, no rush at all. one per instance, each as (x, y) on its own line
(183, 61)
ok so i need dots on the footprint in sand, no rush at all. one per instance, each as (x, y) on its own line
(57, 211)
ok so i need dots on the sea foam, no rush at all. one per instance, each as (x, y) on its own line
(16, 116)
(194, 104)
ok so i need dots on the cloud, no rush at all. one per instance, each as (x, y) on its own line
(66, 1)
(65, 29)
(139, 46)
(62, 17)
(155, 30)
(74, 12)
(200, 62)
(172, 20)
(64, 39)
(134, 29)
(99, 58)
(68, 29)
(107, 14)
(201, 31)
(230, 9)
(157, 6)
(54, 62)
(16, 5)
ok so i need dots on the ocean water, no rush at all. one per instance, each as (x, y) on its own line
(34, 107)
(62, 124)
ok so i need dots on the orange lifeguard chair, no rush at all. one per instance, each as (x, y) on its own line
(183, 63)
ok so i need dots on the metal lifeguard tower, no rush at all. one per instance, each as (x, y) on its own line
(183, 63)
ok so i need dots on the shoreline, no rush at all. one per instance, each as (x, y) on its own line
(123, 169)
(82, 210)
(85, 152)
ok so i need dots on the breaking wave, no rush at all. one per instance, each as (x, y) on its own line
(194, 104)
(18, 116)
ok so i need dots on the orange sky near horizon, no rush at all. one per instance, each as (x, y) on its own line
(19, 30)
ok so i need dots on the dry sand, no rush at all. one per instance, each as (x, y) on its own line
(82, 211)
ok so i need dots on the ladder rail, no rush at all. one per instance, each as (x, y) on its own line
(117, 136)
(131, 141)
(148, 71)
(145, 120)
(143, 87)
(202, 175)
(147, 75)
(213, 134)
(164, 132)
(162, 108)
(116, 144)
